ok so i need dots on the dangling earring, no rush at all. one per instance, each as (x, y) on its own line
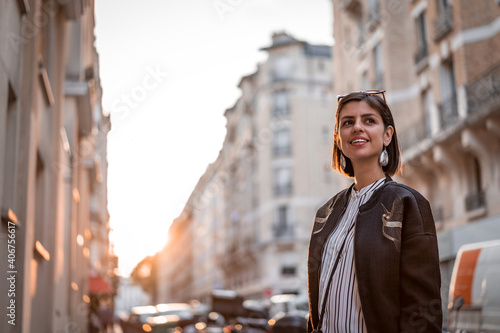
(384, 158)
(342, 161)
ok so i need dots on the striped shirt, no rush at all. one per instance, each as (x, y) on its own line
(343, 308)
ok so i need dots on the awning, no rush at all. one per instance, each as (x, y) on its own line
(97, 285)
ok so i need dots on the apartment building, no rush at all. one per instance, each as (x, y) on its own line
(439, 62)
(188, 264)
(52, 165)
(251, 214)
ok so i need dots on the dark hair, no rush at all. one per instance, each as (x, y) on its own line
(393, 149)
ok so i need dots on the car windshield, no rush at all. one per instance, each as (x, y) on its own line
(182, 314)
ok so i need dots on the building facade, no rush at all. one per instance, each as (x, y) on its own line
(439, 63)
(187, 265)
(251, 214)
(52, 165)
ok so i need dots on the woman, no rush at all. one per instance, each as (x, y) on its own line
(373, 259)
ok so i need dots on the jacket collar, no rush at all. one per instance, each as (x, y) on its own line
(374, 198)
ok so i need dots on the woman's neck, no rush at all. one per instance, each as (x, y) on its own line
(367, 176)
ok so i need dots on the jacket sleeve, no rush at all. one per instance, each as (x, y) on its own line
(420, 279)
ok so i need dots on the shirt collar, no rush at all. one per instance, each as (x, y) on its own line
(367, 189)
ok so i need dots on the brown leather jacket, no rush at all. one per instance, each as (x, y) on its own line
(397, 264)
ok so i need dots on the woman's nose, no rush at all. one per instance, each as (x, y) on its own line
(357, 126)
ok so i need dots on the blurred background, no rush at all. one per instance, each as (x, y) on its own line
(161, 162)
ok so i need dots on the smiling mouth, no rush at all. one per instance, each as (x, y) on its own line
(359, 141)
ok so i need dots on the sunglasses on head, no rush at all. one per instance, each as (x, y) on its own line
(368, 92)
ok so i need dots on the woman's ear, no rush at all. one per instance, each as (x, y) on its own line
(389, 131)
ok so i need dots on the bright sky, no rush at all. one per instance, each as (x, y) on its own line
(169, 70)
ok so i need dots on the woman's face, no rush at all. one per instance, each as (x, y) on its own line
(362, 133)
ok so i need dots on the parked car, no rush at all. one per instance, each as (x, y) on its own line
(169, 316)
(285, 303)
(213, 323)
(289, 313)
(292, 322)
(137, 319)
(160, 318)
(475, 289)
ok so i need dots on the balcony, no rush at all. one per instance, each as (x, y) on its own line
(475, 201)
(282, 150)
(421, 54)
(484, 92)
(283, 189)
(448, 111)
(283, 231)
(443, 24)
(280, 111)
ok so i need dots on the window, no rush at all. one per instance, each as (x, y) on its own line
(427, 104)
(282, 227)
(8, 133)
(283, 216)
(476, 197)
(40, 200)
(379, 67)
(280, 103)
(443, 23)
(444, 5)
(282, 181)
(422, 39)
(282, 68)
(288, 271)
(282, 142)
(448, 107)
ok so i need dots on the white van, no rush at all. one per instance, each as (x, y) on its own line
(475, 289)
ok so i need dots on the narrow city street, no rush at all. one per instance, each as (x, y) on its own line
(203, 164)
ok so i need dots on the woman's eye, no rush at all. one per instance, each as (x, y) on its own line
(370, 120)
(347, 122)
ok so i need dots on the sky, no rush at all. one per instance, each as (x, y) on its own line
(169, 69)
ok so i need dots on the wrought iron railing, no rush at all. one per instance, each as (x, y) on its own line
(421, 54)
(280, 111)
(283, 231)
(475, 200)
(282, 189)
(282, 150)
(484, 91)
(443, 23)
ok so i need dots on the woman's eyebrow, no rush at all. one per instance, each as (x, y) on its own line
(362, 116)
